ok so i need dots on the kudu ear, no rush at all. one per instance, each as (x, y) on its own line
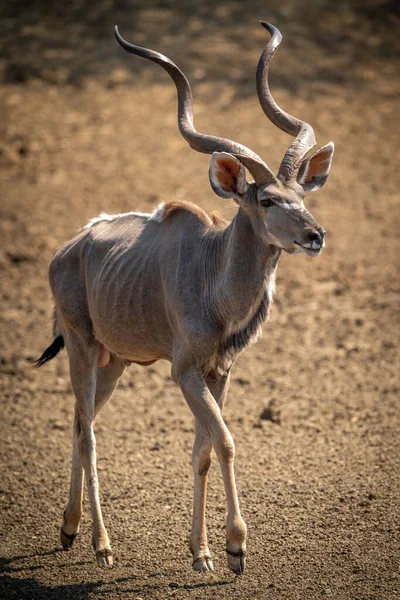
(314, 171)
(227, 176)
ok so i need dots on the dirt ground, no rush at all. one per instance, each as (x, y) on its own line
(87, 128)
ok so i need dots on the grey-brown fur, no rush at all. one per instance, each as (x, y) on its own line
(178, 288)
(179, 285)
(205, 275)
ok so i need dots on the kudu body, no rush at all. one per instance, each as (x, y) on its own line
(178, 285)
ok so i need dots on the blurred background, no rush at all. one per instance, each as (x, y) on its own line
(313, 407)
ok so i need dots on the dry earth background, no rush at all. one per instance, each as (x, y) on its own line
(85, 128)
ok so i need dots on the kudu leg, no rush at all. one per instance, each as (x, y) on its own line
(73, 511)
(86, 379)
(106, 382)
(208, 414)
(201, 462)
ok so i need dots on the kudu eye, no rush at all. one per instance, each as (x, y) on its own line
(266, 202)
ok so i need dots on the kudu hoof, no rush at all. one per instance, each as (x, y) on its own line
(104, 557)
(236, 561)
(67, 539)
(203, 564)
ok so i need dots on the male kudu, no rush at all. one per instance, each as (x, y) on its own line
(179, 285)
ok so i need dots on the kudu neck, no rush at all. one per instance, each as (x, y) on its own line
(245, 269)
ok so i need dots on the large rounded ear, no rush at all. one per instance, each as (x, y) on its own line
(227, 176)
(314, 171)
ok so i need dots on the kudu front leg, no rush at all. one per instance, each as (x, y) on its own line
(208, 414)
(201, 462)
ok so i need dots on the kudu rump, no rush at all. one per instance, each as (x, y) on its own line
(180, 285)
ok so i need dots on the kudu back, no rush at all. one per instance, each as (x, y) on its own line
(180, 285)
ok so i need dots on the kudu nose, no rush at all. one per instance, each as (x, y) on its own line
(316, 238)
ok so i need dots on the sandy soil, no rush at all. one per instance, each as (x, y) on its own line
(86, 128)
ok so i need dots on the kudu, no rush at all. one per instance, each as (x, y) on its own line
(179, 285)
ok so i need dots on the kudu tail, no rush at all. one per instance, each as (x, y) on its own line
(50, 352)
(54, 348)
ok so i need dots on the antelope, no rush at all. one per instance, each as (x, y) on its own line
(180, 285)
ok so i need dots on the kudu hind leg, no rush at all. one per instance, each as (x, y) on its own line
(201, 462)
(88, 382)
(73, 511)
(106, 382)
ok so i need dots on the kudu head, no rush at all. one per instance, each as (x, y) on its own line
(275, 204)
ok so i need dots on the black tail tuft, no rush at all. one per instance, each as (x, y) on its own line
(50, 352)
